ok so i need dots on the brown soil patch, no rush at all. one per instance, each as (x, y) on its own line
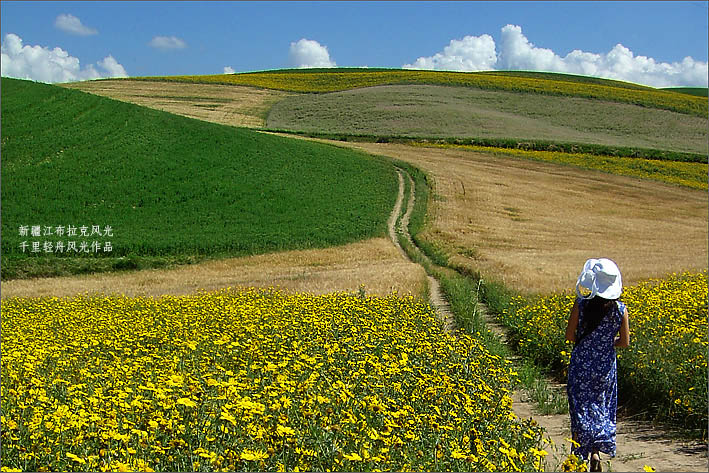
(225, 104)
(531, 225)
(374, 263)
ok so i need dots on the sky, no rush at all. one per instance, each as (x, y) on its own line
(661, 44)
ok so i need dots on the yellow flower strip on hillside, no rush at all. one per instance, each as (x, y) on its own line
(686, 174)
(252, 380)
(666, 364)
(333, 81)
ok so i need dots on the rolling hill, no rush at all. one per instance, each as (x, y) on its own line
(554, 84)
(169, 187)
(427, 111)
(554, 111)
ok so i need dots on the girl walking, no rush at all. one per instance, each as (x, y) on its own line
(594, 323)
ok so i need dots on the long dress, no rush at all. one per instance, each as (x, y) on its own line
(593, 385)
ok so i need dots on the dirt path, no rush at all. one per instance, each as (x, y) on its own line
(391, 223)
(638, 444)
(435, 294)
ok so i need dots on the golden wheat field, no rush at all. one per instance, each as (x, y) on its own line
(531, 224)
(373, 263)
(225, 104)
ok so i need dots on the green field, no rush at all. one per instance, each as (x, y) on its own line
(170, 188)
(698, 91)
(444, 112)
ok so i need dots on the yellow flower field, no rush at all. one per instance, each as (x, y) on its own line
(666, 363)
(252, 380)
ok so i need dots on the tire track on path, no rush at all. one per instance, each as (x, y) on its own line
(638, 443)
(436, 296)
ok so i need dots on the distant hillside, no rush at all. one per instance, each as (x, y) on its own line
(169, 187)
(697, 91)
(431, 111)
(331, 80)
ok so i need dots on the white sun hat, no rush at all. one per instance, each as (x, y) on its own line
(601, 277)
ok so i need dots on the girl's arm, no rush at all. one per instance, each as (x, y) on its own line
(623, 340)
(573, 323)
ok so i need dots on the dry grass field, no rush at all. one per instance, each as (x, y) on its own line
(443, 111)
(531, 225)
(376, 263)
(225, 104)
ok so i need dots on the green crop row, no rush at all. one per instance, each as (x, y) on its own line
(513, 144)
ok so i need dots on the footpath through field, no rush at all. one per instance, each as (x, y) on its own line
(638, 444)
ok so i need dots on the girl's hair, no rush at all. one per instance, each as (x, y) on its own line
(594, 311)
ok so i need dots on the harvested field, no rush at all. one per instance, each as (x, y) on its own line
(443, 111)
(225, 104)
(376, 263)
(531, 225)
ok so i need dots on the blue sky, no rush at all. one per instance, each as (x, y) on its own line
(100, 39)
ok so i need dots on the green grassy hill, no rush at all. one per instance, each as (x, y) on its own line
(698, 91)
(170, 188)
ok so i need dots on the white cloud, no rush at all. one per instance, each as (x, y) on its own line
(472, 53)
(620, 63)
(516, 52)
(166, 43)
(309, 53)
(112, 67)
(229, 70)
(71, 24)
(51, 65)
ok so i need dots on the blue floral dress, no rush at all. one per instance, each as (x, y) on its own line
(592, 385)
